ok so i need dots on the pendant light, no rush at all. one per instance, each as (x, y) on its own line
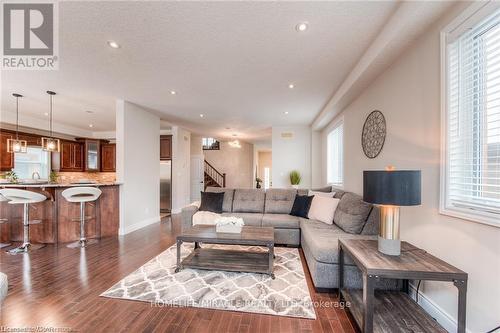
(50, 143)
(16, 145)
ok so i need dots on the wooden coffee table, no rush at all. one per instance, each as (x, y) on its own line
(228, 259)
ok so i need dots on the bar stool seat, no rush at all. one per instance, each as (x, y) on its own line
(82, 195)
(25, 198)
(2, 221)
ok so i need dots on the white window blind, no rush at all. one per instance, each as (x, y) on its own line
(335, 156)
(473, 120)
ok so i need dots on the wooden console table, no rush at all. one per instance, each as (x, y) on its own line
(393, 311)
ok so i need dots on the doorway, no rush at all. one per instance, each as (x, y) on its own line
(265, 167)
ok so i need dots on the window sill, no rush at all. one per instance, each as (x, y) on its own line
(477, 217)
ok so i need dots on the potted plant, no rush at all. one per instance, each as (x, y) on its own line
(295, 179)
(12, 176)
(258, 181)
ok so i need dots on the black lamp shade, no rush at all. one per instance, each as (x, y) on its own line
(396, 187)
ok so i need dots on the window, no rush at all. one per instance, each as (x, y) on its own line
(471, 183)
(35, 160)
(335, 155)
(210, 144)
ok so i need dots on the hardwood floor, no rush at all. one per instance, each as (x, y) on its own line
(59, 287)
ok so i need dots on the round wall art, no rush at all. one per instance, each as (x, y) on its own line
(373, 136)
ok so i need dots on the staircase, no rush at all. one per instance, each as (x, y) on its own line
(213, 177)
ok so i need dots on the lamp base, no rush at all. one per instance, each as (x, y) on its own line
(390, 247)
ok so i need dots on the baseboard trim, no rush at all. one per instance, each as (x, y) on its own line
(139, 225)
(442, 317)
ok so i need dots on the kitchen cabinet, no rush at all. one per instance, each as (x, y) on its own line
(6, 159)
(91, 154)
(108, 157)
(71, 156)
(165, 147)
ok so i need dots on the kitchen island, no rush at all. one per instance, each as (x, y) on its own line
(58, 216)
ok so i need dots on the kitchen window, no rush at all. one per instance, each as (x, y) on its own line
(35, 160)
(470, 185)
(335, 155)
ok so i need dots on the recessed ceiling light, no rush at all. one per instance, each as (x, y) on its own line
(291, 86)
(286, 112)
(201, 115)
(113, 44)
(91, 125)
(302, 26)
(46, 114)
(173, 92)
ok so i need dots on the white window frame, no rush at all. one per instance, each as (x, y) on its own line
(338, 123)
(469, 17)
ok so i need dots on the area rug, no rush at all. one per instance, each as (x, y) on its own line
(157, 283)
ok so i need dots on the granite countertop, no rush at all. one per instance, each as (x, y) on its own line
(10, 185)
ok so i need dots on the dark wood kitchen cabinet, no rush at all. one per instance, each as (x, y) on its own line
(71, 156)
(91, 154)
(165, 147)
(108, 157)
(6, 159)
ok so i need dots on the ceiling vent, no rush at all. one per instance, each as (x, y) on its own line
(286, 135)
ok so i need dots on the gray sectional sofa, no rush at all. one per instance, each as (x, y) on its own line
(353, 218)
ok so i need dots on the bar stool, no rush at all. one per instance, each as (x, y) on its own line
(82, 195)
(2, 221)
(25, 198)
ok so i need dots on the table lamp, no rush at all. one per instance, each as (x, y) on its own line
(390, 189)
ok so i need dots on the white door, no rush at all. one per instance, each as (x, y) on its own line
(197, 177)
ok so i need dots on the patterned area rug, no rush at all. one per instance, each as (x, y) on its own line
(156, 282)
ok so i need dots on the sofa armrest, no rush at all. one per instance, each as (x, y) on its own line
(187, 216)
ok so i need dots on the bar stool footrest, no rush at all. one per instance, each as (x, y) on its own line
(26, 248)
(82, 243)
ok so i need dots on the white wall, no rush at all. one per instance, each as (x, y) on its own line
(316, 162)
(181, 176)
(137, 166)
(291, 154)
(408, 93)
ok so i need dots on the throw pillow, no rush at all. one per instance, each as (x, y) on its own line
(322, 194)
(212, 202)
(323, 209)
(352, 213)
(301, 205)
(205, 217)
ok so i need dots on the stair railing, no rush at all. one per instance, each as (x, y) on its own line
(212, 172)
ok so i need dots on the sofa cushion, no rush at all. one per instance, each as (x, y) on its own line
(253, 219)
(227, 204)
(248, 201)
(211, 202)
(322, 240)
(325, 189)
(283, 221)
(321, 194)
(352, 213)
(280, 201)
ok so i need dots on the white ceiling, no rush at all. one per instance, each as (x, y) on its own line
(231, 61)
